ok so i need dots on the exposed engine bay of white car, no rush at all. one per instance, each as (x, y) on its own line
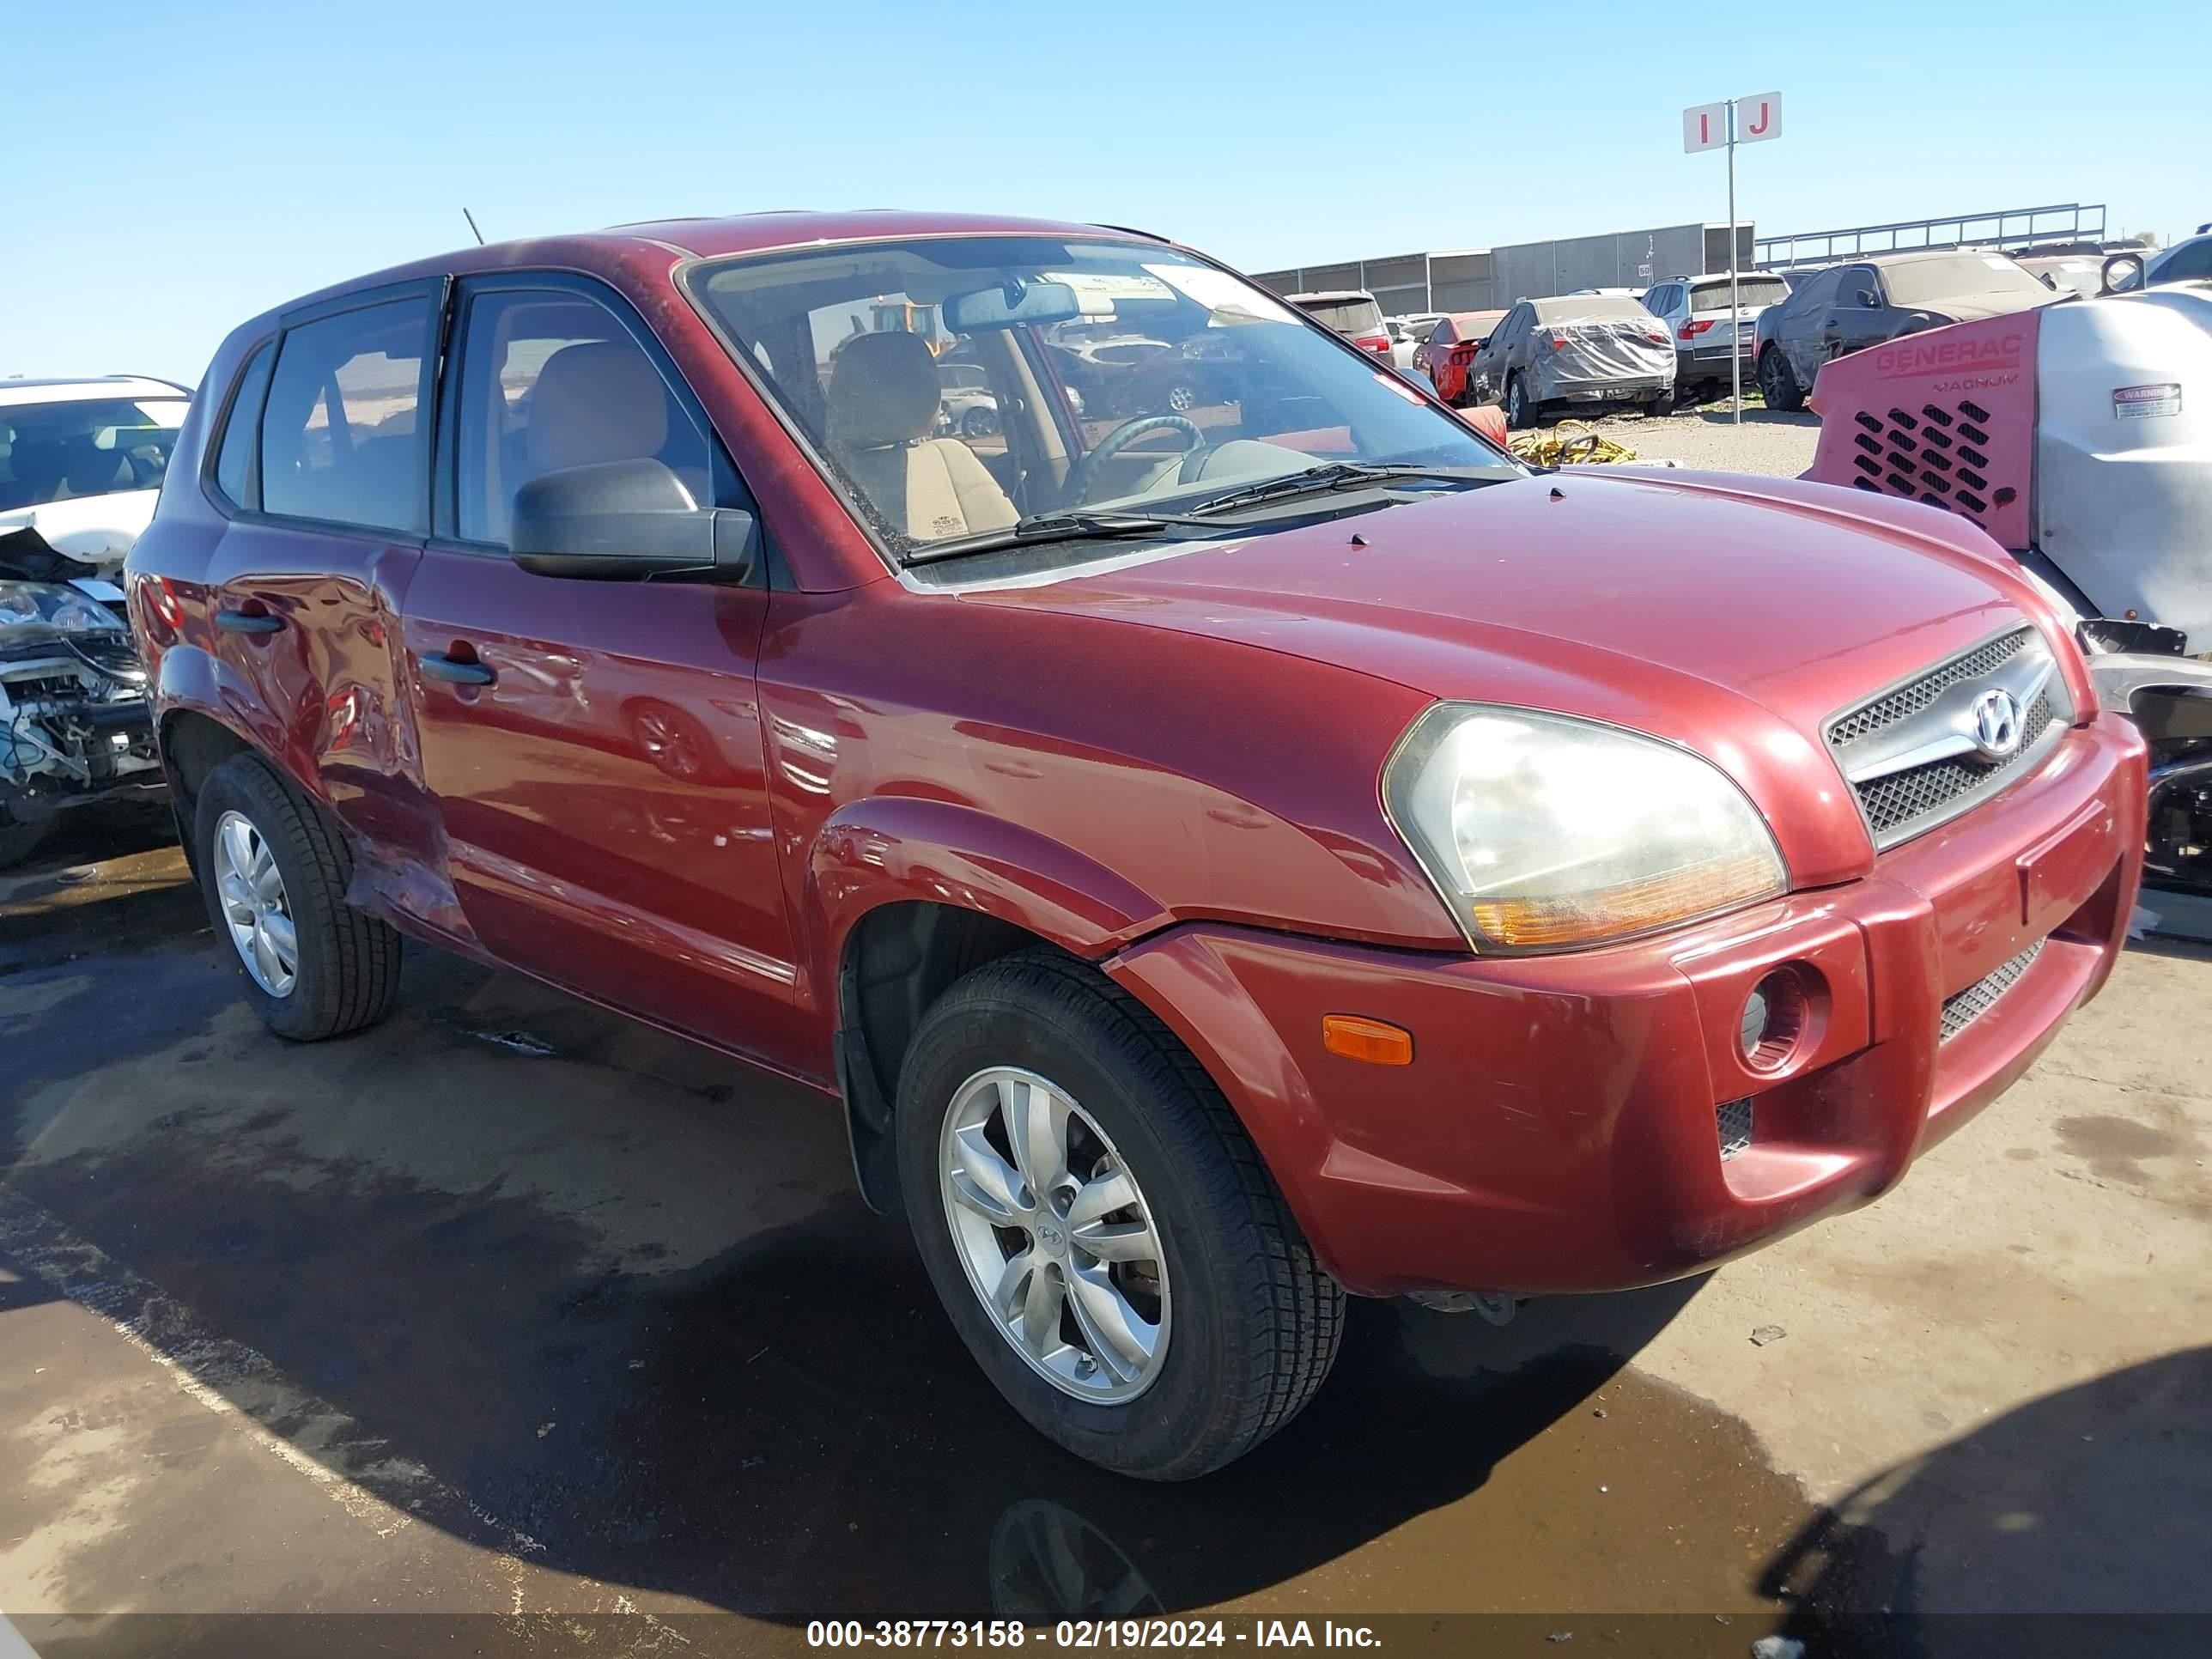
(73, 714)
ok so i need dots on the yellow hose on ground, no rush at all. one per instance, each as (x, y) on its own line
(1570, 443)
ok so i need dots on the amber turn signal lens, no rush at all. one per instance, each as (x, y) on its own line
(1631, 908)
(1374, 1041)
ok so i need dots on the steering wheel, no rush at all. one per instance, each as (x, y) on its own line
(1085, 475)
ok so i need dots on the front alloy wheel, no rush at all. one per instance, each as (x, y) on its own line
(1054, 1234)
(1103, 1234)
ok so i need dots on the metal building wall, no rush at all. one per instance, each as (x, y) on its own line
(1492, 278)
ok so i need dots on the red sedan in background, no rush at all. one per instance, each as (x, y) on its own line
(1443, 356)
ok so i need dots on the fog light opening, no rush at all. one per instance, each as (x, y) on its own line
(1774, 1020)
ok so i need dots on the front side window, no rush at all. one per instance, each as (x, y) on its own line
(958, 385)
(63, 450)
(550, 379)
(342, 440)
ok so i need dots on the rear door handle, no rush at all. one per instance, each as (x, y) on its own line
(247, 622)
(439, 666)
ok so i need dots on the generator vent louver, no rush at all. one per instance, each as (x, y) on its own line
(1939, 456)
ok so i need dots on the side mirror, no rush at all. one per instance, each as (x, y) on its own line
(626, 521)
(1869, 299)
(2125, 280)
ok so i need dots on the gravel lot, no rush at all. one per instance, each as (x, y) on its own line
(1706, 438)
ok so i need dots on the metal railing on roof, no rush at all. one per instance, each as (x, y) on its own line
(2004, 227)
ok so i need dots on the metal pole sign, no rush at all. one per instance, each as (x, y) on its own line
(1735, 121)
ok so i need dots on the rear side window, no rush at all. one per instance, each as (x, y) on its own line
(552, 380)
(342, 436)
(234, 463)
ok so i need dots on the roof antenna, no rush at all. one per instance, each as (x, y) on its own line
(473, 231)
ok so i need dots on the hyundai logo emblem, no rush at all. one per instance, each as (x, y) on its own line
(1997, 725)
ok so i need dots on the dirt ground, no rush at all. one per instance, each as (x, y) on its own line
(511, 1310)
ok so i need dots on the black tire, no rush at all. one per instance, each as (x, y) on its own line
(1777, 382)
(1520, 409)
(19, 841)
(1256, 1320)
(349, 962)
(977, 422)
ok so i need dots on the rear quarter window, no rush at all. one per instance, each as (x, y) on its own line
(234, 468)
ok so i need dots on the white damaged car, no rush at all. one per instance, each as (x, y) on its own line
(80, 467)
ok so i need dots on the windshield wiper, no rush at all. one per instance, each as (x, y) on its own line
(1339, 475)
(1042, 527)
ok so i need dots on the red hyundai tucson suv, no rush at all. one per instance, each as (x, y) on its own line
(1219, 857)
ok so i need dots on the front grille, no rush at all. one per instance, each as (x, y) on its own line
(1733, 1119)
(1970, 1005)
(1902, 796)
(1906, 700)
(1932, 713)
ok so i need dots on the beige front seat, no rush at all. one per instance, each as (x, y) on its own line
(883, 407)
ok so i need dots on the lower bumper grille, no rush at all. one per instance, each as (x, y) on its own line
(1968, 1006)
(1733, 1119)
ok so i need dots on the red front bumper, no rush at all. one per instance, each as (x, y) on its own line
(1556, 1130)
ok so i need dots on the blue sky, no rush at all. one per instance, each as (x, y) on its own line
(177, 167)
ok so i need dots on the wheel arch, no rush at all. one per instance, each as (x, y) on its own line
(192, 743)
(906, 895)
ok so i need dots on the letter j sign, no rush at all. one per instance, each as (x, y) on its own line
(1757, 118)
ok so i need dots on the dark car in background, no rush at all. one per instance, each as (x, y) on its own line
(1848, 307)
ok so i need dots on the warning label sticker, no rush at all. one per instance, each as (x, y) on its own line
(2139, 403)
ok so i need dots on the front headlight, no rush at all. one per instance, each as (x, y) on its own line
(1544, 832)
(56, 605)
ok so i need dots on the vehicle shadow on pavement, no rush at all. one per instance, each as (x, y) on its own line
(2092, 1501)
(617, 1297)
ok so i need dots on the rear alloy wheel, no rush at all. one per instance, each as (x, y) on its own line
(1183, 397)
(979, 421)
(1777, 385)
(1519, 410)
(274, 873)
(1100, 1229)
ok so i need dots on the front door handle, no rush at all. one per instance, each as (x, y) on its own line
(247, 622)
(454, 670)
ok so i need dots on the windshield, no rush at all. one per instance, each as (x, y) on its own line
(1348, 316)
(1750, 291)
(1918, 282)
(58, 451)
(1120, 375)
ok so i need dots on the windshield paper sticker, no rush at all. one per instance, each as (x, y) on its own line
(1096, 291)
(2141, 402)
